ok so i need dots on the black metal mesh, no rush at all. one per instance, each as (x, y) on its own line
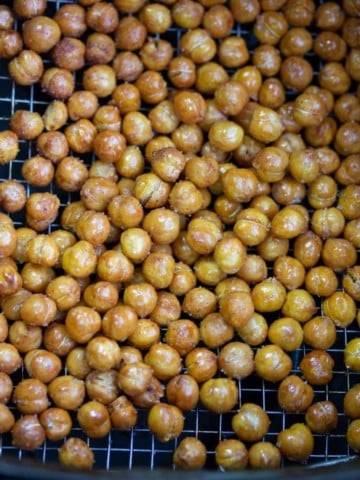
(139, 448)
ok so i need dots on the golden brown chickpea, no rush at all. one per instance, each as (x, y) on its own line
(137, 128)
(289, 271)
(183, 335)
(251, 422)
(218, 21)
(352, 402)
(272, 363)
(272, 93)
(251, 226)
(233, 52)
(80, 259)
(38, 310)
(158, 269)
(273, 248)
(58, 83)
(36, 277)
(38, 171)
(269, 27)
(320, 333)
(164, 360)
(296, 443)
(151, 395)
(24, 337)
(82, 323)
(7, 419)
(334, 77)
(255, 331)
(11, 305)
(80, 135)
(188, 138)
(156, 18)
(351, 355)
(75, 453)
(329, 16)
(30, 396)
(71, 174)
(152, 87)
(40, 34)
(42, 365)
(190, 107)
(201, 364)
(56, 422)
(53, 145)
(27, 68)
(102, 386)
(25, 10)
(296, 41)
(10, 280)
(350, 31)
(127, 66)
(27, 125)
(340, 308)
(123, 415)
(142, 297)
(254, 269)
(237, 308)
(100, 80)
(190, 454)
(71, 19)
(67, 392)
(329, 46)
(219, 395)
(338, 254)
(236, 360)
(198, 45)
(245, 12)
(182, 72)
(268, 295)
(287, 333)
(69, 53)
(94, 419)
(82, 104)
(6, 388)
(96, 193)
(10, 360)
(185, 199)
(187, 13)
(352, 434)
(12, 196)
(76, 363)
(349, 201)
(102, 17)
(133, 378)
(4, 328)
(65, 291)
(27, 433)
(100, 49)
(102, 353)
(321, 281)
(294, 395)
(351, 282)
(267, 59)
(6, 18)
(57, 340)
(308, 248)
(296, 73)
(347, 108)
(9, 146)
(165, 421)
(322, 417)
(156, 54)
(317, 367)
(231, 454)
(183, 392)
(264, 455)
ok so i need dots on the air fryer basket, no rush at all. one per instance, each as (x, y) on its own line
(137, 452)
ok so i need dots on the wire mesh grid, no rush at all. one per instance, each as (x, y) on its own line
(138, 447)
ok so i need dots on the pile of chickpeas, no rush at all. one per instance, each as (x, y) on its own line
(220, 208)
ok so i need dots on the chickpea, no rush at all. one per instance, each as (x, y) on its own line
(75, 453)
(190, 454)
(251, 423)
(294, 395)
(296, 442)
(219, 395)
(165, 421)
(231, 454)
(27, 433)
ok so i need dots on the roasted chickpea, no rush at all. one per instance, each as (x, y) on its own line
(251, 422)
(316, 366)
(296, 73)
(294, 395)
(183, 392)
(75, 453)
(272, 363)
(322, 417)
(264, 455)
(219, 395)
(27, 433)
(296, 443)
(27, 68)
(10, 43)
(165, 421)
(24, 337)
(9, 146)
(190, 454)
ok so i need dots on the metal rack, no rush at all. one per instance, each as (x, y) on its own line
(139, 448)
